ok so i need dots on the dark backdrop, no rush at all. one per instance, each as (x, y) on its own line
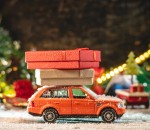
(113, 26)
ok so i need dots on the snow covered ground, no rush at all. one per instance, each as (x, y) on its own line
(19, 119)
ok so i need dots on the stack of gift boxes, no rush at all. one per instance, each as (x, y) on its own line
(63, 67)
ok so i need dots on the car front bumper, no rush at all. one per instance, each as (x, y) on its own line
(121, 111)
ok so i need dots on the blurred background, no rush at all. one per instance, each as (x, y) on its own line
(115, 27)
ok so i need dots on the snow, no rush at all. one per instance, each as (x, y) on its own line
(19, 119)
(108, 98)
(132, 115)
(16, 113)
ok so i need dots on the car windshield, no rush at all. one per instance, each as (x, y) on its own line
(93, 94)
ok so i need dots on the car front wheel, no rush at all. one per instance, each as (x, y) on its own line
(50, 115)
(108, 115)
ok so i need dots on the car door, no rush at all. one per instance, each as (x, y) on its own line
(63, 101)
(81, 103)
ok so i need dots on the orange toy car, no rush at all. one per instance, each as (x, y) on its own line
(74, 101)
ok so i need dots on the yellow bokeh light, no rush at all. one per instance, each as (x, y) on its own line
(2, 84)
(1, 95)
(103, 78)
(120, 68)
(15, 68)
(124, 65)
(142, 57)
(112, 73)
(99, 80)
(138, 60)
(146, 55)
(107, 76)
(116, 71)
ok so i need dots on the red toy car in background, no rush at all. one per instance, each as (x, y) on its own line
(74, 101)
(134, 96)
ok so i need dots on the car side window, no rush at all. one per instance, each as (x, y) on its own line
(78, 93)
(47, 94)
(62, 93)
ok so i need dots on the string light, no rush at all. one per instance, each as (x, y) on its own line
(137, 60)
(103, 78)
(116, 71)
(107, 76)
(146, 55)
(99, 80)
(112, 73)
(142, 57)
(124, 65)
(121, 68)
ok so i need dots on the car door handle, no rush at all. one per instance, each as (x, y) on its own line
(56, 102)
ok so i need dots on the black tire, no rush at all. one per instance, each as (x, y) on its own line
(50, 115)
(147, 105)
(108, 115)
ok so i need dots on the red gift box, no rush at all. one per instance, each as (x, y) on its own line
(62, 65)
(137, 88)
(63, 55)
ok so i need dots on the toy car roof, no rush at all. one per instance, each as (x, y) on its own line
(58, 87)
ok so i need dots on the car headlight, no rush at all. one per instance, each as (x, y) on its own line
(121, 105)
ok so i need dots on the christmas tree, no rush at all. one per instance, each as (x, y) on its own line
(131, 66)
(12, 65)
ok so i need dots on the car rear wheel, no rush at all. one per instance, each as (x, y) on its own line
(108, 115)
(50, 115)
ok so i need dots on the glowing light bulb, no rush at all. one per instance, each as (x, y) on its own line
(116, 71)
(120, 68)
(146, 55)
(103, 78)
(107, 76)
(142, 57)
(99, 80)
(124, 65)
(138, 60)
(112, 73)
